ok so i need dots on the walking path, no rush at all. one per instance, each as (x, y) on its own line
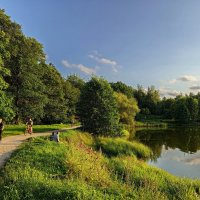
(11, 143)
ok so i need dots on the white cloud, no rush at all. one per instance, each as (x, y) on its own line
(173, 93)
(185, 78)
(86, 70)
(192, 161)
(66, 63)
(105, 61)
(195, 87)
(168, 92)
(173, 81)
(81, 67)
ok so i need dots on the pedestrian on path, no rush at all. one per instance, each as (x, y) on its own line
(1, 128)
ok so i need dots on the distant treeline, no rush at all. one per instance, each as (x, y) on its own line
(29, 86)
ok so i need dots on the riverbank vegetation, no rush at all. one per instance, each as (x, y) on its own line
(73, 170)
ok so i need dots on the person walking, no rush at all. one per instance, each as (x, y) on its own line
(1, 128)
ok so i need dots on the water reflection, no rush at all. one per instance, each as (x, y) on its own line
(174, 149)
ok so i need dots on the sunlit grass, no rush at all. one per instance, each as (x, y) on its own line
(20, 129)
(42, 169)
(118, 146)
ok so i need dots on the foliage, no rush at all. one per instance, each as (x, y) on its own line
(98, 109)
(127, 108)
(55, 110)
(41, 169)
(180, 110)
(118, 146)
(140, 96)
(120, 87)
(6, 110)
(152, 99)
(192, 106)
(72, 89)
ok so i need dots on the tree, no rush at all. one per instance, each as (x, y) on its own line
(25, 82)
(140, 96)
(152, 99)
(122, 88)
(98, 108)
(75, 81)
(55, 110)
(192, 106)
(71, 96)
(180, 110)
(23, 58)
(6, 110)
(166, 107)
(72, 90)
(128, 109)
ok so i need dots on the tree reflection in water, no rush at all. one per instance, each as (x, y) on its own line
(185, 139)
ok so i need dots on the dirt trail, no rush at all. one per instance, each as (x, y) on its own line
(11, 143)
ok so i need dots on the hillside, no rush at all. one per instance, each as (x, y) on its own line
(83, 167)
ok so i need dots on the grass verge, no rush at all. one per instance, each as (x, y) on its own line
(20, 129)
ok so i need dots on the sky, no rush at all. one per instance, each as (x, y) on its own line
(143, 42)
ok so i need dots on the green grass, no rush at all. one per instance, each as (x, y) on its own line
(118, 146)
(150, 121)
(20, 129)
(42, 169)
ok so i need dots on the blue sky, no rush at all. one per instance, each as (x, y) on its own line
(137, 42)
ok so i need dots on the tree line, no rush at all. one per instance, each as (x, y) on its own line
(29, 86)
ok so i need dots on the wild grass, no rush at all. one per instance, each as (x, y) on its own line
(119, 146)
(42, 169)
(20, 129)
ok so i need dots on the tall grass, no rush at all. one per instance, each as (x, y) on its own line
(118, 146)
(42, 169)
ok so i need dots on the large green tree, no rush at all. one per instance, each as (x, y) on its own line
(26, 80)
(72, 90)
(6, 110)
(55, 109)
(24, 63)
(98, 108)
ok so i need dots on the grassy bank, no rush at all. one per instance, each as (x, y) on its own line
(20, 129)
(151, 121)
(42, 169)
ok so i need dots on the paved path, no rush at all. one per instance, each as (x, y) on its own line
(11, 143)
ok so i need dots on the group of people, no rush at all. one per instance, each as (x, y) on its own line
(29, 129)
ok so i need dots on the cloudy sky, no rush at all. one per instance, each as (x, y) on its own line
(147, 42)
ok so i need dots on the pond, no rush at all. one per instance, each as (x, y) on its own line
(176, 150)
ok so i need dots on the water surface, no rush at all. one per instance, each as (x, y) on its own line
(177, 150)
